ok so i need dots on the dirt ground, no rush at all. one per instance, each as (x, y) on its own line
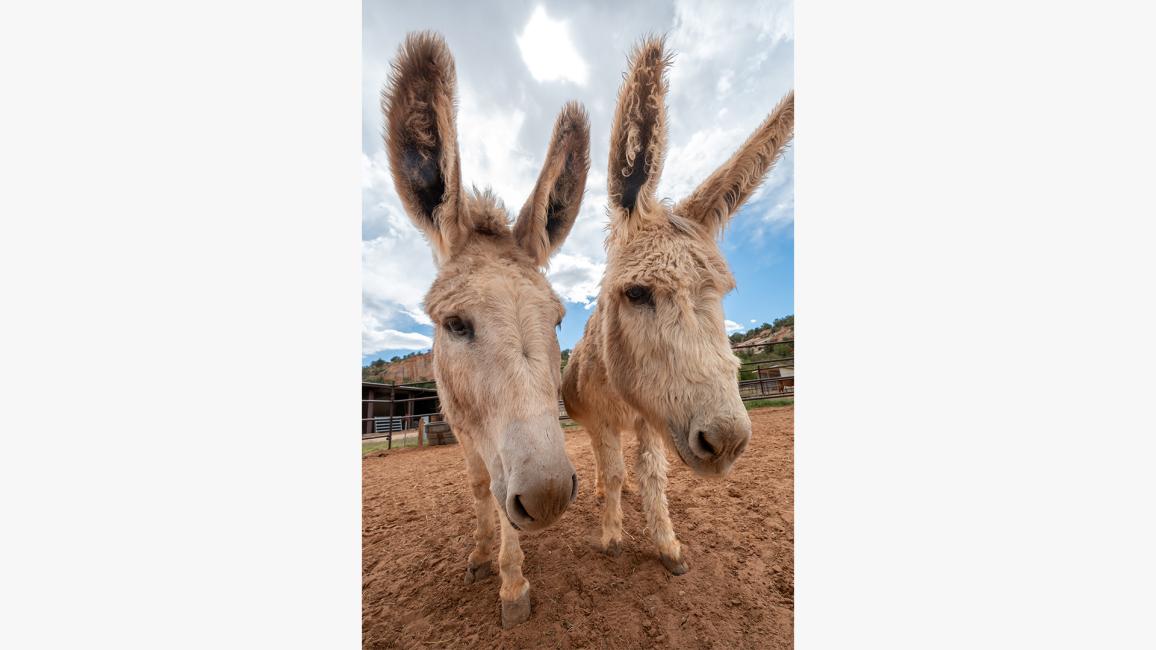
(737, 535)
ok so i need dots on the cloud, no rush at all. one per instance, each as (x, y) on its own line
(731, 67)
(733, 327)
(397, 266)
(588, 235)
(753, 320)
(549, 52)
(488, 142)
(576, 278)
(705, 30)
(397, 262)
(377, 338)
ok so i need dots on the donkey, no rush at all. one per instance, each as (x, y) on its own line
(654, 357)
(495, 354)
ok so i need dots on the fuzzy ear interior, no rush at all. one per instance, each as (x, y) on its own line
(638, 132)
(721, 195)
(421, 138)
(550, 212)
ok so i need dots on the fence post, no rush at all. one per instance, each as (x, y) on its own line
(389, 436)
(369, 428)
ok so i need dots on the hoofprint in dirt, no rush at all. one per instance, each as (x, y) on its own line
(737, 532)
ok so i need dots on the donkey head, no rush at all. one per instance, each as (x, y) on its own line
(496, 356)
(666, 346)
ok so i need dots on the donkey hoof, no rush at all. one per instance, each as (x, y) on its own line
(675, 566)
(613, 549)
(478, 573)
(515, 612)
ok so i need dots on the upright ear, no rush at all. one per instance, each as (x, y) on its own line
(421, 138)
(721, 195)
(638, 133)
(549, 213)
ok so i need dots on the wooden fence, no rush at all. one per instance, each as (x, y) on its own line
(772, 379)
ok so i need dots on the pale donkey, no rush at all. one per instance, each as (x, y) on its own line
(496, 356)
(655, 358)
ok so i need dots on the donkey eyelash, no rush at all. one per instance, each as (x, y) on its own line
(460, 327)
(639, 295)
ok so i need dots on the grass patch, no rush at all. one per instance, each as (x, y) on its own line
(761, 403)
(379, 446)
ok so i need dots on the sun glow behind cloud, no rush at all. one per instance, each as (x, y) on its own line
(549, 52)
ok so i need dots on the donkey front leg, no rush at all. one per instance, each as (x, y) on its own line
(611, 471)
(479, 566)
(651, 467)
(515, 591)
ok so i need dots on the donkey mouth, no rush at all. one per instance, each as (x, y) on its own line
(506, 515)
(679, 437)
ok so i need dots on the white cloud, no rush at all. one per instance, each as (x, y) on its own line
(690, 162)
(576, 278)
(730, 69)
(754, 320)
(397, 266)
(724, 82)
(733, 327)
(491, 157)
(704, 29)
(720, 91)
(549, 52)
(588, 235)
(397, 273)
(376, 338)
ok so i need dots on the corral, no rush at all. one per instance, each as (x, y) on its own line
(402, 415)
(398, 414)
(737, 532)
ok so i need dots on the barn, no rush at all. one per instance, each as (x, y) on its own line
(392, 408)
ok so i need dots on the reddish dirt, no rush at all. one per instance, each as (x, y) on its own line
(737, 534)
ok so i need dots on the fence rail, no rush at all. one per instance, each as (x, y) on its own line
(756, 388)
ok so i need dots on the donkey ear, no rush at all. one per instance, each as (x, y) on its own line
(721, 195)
(549, 213)
(421, 138)
(638, 133)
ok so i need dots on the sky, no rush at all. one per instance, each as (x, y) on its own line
(517, 64)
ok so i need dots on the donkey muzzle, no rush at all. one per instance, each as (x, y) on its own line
(715, 444)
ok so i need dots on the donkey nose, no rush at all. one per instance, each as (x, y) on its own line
(536, 507)
(720, 443)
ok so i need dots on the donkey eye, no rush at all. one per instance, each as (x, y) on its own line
(639, 295)
(459, 327)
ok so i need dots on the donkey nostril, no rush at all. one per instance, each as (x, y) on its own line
(574, 487)
(706, 446)
(521, 509)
